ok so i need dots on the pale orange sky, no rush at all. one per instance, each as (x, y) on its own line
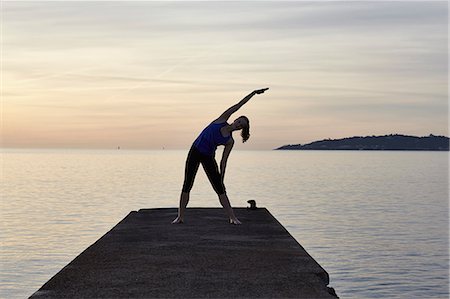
(153, 74)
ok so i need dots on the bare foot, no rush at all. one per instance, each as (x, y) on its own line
(178, 220)
(235, 221)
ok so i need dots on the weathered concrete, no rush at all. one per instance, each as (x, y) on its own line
(148, 257)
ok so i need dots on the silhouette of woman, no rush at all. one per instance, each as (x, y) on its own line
(202, 151)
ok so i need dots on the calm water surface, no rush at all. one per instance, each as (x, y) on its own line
(376, 221)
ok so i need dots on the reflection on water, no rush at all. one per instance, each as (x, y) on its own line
(376, 221)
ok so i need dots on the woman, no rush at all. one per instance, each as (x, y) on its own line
(219, 132)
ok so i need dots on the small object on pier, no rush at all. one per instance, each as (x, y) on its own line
(252, 204)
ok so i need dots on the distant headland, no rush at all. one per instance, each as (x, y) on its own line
(393, 142)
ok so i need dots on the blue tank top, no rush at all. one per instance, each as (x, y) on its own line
(210, 138)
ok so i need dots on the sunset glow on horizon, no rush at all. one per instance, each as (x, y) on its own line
(148, 75)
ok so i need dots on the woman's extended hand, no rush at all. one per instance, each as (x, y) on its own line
(259, 91)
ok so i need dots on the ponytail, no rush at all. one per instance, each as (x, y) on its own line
(245, 133)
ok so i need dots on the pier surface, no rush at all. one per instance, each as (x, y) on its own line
(145, 256)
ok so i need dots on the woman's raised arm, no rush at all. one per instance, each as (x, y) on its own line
(226, 115)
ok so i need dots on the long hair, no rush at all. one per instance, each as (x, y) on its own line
(245, 133)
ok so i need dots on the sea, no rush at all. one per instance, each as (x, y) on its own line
(376, 221)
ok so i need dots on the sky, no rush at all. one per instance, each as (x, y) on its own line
(148, 75)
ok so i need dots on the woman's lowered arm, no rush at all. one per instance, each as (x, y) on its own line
(226, 153)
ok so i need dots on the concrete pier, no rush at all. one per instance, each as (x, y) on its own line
(145, 256)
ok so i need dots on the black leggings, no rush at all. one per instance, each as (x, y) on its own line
(209, 164)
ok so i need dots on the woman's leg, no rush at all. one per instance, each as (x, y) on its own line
(225, 202)
(184, 199)
(192, 164)
(212, 171)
